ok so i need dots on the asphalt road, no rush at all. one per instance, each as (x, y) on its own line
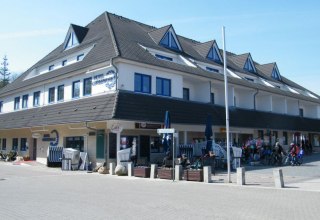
(38, 192)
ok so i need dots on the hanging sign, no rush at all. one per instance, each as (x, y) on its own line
(116, 128)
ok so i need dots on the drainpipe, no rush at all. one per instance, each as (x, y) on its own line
(112, 64)
(254, 99)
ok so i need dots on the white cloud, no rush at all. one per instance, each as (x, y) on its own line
(32, 33)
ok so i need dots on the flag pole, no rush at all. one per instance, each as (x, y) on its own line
(226, 100)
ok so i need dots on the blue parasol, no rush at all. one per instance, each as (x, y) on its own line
(166, 137)
(208, 133)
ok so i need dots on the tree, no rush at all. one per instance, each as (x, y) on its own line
(4, 72)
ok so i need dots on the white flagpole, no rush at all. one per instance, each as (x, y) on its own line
(226, 100)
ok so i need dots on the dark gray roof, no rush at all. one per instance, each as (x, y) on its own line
(116, 36)
(139, 107)
(99, 108)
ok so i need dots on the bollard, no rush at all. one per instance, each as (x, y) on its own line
(207, 174)
(241, 177)
(130, 169)
(112, 168)
(278, 178)
(178, 172)
(154, 171)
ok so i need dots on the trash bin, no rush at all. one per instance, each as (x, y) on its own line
(73, 155)
(66, 164)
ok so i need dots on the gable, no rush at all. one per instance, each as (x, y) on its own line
(75, 36)
(213, 54)
(249, 66)
(170, 40)
(275, 73)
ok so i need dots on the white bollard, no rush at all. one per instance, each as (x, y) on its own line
(130, 169)
(178, 172)
(241, 177)
(207, 174)
(154, 171)
(112, 167)
(278, 178)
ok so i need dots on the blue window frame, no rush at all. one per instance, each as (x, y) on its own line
(16, 103)
(163, 57)
(248, 66)
(15, 142)
(87, 86)
(76, 89)
(4, 144)
(163, 86)
(186, 94)
(72, 40)
(142, 83)
(80, 57)
(1, 106)
(213, 55)
(36, 98)
(212, 69)
(51, 67)
(249, 79)
(275, 74)
(23, 144)
(169, 41)
(25, 101)
(64, 62)
(51, 96)
(60, 93)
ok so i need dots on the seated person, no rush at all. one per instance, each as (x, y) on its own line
(184, 160)
(167, 158)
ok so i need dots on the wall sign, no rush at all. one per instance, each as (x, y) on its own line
(108, 79)
(53, 138)
(116, 128)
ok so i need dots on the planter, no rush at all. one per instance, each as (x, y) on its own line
(141, 172)
(165, 173)
(193, 175)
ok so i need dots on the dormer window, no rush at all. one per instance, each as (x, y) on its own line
(161, 57)
(213, 55)
(169, 40)
(51, 67)
(249, 66)
(275, 74)
(212, 69)
(72, 41)
(80, 57)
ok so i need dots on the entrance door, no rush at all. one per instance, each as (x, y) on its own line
(100, 144)
(145, 147)
(33, 150)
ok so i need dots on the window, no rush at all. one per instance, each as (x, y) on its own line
(4, 144)
(301, 112)
(87, 86)
(25, 101)
(249, 79)
(15, 144)
(156, 145)
(212, 98)
(260, 134)
(64, 62)
(275, 74)
(212, 69)
(163, 86)
(161, 57)
(249, 66)
(213, 55)
(16, 103)
(76, 89)
(80, 57)
(142, 83)
(169, 41)
(36, 98)
(1, 106)
(51, 67)
(51, 95)
(186, 94)
(75, 143)
(23, 144)
(72, 41)
(61, 93)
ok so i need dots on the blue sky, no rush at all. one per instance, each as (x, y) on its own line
(286, 32)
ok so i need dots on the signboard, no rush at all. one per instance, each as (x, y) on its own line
(108, 79)
(165, 130)
(116, 128)
(36, 135)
